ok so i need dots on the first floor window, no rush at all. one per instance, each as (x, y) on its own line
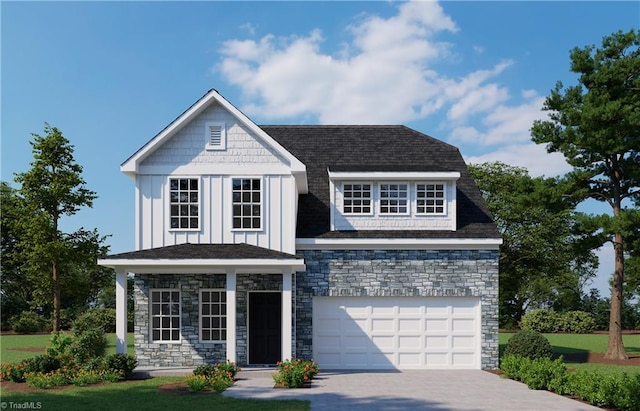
(213, 315)
(165, 315)
(247, 203)
(357, 198)
(430, 198)
(393, 199)
(184, 203)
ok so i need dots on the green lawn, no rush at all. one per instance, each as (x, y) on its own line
(10, 345)
(141, 396)
(564, 344)
(130, 395)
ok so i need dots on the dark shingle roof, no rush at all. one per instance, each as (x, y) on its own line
(377, 148)
(204, 251)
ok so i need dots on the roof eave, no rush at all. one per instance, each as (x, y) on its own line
(196, 266)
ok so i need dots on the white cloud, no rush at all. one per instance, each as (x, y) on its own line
(533, 157)
(383, 75)
(503, 124)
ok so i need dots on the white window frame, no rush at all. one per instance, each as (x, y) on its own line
(241, 203)
(161, 316)
(198, 204)
(371, 197)
(444, 198)
(222, 145)
(406, 198)
(222, 317)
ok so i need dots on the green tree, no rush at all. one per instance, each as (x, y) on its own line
(541, 262)
(596, 126)
(53, 188)
(15, 292)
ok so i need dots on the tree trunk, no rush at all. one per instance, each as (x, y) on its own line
(56, 299)
(615, 347)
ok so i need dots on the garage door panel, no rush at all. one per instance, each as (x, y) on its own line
(396, 332)
(436, 325)
(355, 343)
(436, 342)
(383, 342)
(462, 360)
(436, 310)
(460, 342)
(352, 326)
(409, 343)
(437, 360)
(408, 326)
(382, 325)
(462, 325)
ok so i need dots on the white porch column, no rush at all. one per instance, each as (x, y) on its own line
(121, 312)
(286, 315)
(231, 316)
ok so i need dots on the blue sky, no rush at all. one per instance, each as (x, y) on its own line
(111, 75)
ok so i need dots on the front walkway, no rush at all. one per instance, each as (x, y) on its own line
(436, 390)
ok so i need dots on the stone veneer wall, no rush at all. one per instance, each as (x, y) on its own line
(189, 351)
(411, 273)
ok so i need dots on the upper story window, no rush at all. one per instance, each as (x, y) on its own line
(394, 198)
(215, 136)
(165, 315)
(213, 315)
(357, 198)
(430, 198)
(247, 203)
(184, 203)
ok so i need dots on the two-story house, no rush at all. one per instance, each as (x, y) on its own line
(363, 247)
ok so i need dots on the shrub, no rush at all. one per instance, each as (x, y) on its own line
(578, 322)
(123, 364)
(197, 382)
(29, 322)
(513, 366)
(87, 344)
(221, 380)
(84, 377)
(48, 380)
(43, 364)
(103, 318)
(295, 373)
(219, 376)
(13, 372)
(543, 320)
(530, 344)
(205, 370)
(229, 367)
(543, 373)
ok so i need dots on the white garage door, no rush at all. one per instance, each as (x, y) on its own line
(396, 332)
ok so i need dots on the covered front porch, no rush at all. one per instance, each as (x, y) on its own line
(205, 303)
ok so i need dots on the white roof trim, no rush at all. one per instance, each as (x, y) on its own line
(196, 266)
(131, 166)
(393, 175)
(398, 244)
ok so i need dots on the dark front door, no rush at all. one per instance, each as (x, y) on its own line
(265, 328)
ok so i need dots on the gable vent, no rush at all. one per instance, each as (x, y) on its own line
(215, 136)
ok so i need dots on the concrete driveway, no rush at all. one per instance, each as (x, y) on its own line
(406, 390)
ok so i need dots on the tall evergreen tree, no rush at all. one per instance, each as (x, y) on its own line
(596, 125)
(53, 188)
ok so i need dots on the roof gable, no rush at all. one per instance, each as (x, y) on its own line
(132, 165)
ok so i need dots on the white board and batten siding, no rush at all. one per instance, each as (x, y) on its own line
(397, 332)
(245, 156)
